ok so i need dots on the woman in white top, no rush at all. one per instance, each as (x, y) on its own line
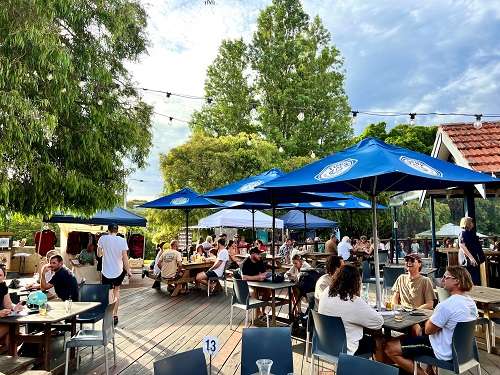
(342, 299)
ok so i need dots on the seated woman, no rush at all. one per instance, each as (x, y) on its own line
(342, 299)
(333, 262)
(260, 245)
(232, 248)
(199, 252)
(6, 305)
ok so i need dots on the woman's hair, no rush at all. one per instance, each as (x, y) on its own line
(4, 269)
(230, 243)
(51, 253)
(466, 223)
(346, 283)
(200, 246)
(362, 238)
(462, 276)
(259, 241)
(333, 262)
(209, 239)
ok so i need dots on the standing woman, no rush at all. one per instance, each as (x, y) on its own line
(471, 247)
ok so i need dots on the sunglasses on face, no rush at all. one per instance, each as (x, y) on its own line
(446, 277)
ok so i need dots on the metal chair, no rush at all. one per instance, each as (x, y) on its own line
(86, 338)
(481, 321)
(464, 351)
(391, 274)
(366, 275)
(274, 343)
(311, 303)
(241, 299)
(383, 256)
(349, 364)
(329, 338)
(191, 362)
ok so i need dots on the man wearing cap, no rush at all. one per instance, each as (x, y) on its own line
(113, 250)
(412, 289)
(253, 268)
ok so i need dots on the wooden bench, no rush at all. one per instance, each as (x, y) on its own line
(177, 282)
(15, 365)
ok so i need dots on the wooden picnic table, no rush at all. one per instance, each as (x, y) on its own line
(56, 313)
(273, 287)
(315, 256)
(410, 318)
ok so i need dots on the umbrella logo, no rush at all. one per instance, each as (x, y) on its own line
(363, 204)
(250, 186)
(342, 204)
(316, 204)
(336, 169)
(420, 166)
(179, 201)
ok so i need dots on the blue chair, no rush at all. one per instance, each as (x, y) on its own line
(329, 338)
(241, 299)
(311, 301)
(274, 343)
(349, 364)
(93, 293)
(366, 275)
(391, 274)
(191, 362)
(464, 351)
(85, 338)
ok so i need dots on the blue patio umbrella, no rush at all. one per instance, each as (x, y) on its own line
(248, 190)
(372, 167)
(184, 199)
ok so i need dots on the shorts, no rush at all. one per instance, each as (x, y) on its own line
(366, 345)
(211, 274)
(117, 281)
(415, 346)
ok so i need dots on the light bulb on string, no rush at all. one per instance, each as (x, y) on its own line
(63, 90)
(478, 124)
(354, 117)
(412, 118)
(249, 141)
(49, 77)
(281, 150)
(253, 111)
(301, 116)
(99, 102)
(170, 119)
(313, 155)
(81, 84)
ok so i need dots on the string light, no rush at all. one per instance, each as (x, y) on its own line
(253, 111)
(412, 118)
(313, 155)
(300, 116)
(249, 141)
(281, 150)
(49, 77)
(354, 117)
(99, 102)
(81, 84)
(478, 124)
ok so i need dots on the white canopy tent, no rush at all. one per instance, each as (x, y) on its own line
(231, 218)
(447, 230)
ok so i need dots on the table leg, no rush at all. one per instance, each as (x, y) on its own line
(290, 313)
(46, 347)
(73, 333)
(273, 307)
(13, 334)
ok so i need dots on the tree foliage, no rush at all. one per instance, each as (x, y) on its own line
(289, 68)
(71, 123)
(416, 138)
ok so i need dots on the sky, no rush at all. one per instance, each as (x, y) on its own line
(401, 56)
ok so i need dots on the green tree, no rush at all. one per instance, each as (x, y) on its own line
(288, 70)
(71, 124)
(229, 92)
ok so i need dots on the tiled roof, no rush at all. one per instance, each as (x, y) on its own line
(480, 147)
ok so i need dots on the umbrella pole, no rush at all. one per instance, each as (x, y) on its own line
(253, 225)
(305, 227)
(272, 243)
(433, 233)
(375, 251)
(187, 232)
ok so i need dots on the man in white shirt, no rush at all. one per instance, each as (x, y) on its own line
(217, 269)
(342, 299)
(439, 328)
(113, 250)
(344, 248)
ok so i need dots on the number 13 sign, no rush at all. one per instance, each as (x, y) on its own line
(211, 345)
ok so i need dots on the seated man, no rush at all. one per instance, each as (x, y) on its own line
(63, 281)
(413, 289)
(439, 328)
(217, 269)
(170, 263)
(286, 249)
(342, 299)
(253, 268)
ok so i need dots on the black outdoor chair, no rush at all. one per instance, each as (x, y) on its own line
(191, 362)
(274, 343)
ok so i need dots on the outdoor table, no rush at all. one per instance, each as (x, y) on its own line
(190, 271)
(21, 291)
(274, 287)
(269, 257)
(408, 320)
(315, 256)
(485, 297)
(56, 313)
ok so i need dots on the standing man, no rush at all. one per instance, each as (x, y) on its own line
(331, 245)
(113, 250)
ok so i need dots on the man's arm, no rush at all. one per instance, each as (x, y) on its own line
(100, 251)
(259, 277)
(125, 263)
(431, 328)
(396, 299)
(216, 264)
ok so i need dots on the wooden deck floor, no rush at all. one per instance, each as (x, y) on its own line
(154, 325)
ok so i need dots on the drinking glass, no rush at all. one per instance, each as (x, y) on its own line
(43, 309)
(264, 366)
(398, 313)
(67, 305)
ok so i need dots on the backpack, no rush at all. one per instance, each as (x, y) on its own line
(307, 280)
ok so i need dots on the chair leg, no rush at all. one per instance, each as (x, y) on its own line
(267, 318)
(225, 287)
(114, 350)
(77, 358)
(307, 344)
(231, 319)
(487, 337)
(66, 364)
(478, 369)
(246, 318)
(312, 364)
(93, 328)
(415, 367)
(106, 360)
(493, 332)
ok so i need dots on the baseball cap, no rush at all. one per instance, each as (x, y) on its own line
(414, 256)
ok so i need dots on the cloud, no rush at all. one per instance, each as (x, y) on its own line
(399, 56)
